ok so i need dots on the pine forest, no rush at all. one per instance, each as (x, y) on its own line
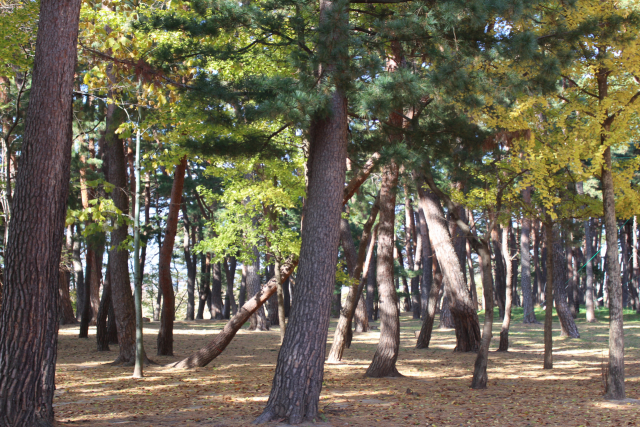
(320, 213)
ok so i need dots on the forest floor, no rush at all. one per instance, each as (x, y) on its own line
(434, 391)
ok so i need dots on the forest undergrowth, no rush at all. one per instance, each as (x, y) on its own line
(233, 390)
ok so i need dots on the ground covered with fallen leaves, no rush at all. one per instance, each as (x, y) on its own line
(434, 391)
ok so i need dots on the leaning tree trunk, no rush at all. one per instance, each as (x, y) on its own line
(430, 314)
(165, 334)
(298, 378)
(355, 265)
(464, 315)
(29, 313)
(384, 359)
(615, 380)
(567, 323)
(525, 263)
(212, 350)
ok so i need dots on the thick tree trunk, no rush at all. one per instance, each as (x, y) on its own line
(525, 264)
(355, 265)
(29, 313)
(506, 322)
(567, 323)
(384, 359)
(615, 380)
(212, 350)
(446, 318)
(299, 372)
(258, 318)
(165, 334)
(464, 315)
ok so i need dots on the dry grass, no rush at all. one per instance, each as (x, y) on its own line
(233, 389)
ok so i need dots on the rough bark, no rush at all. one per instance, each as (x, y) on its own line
(416, 296)
(371, 288)
(525, 263)
(472, 278)
(29, 313)
(446, 318)
(165, 282)
(615, 388)
(212, 350)
(384, 359)
(66, 309)
(480, 376)
(465, 317)
(299, 371)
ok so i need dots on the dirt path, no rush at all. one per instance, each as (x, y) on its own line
(435, 390)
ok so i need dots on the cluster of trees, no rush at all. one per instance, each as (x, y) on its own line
(390, 147)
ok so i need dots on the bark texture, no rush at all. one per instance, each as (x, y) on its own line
(386, 355)
(259, 320)
(429, 318)
(165, 334)
(615, 380)
(298, 378)
(525, 264)
(464, 315)
(29, 313)
(567, 323)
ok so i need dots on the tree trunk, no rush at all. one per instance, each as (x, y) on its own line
(525, 263)
(102, 332)
(427, 322)
(416, 296)
(536, 262)
(446, 319)
(230, 265)
(570, 284)
(548, 296)
(615, 380)
(465, 317)
(506, 322)
(299, 372)
(499, 267)
(560, 281)
(165, 334)
(212, 350)
(636, 264)
(355, 265)
(242, 294)
(192, 269)
(427, 265)
(29, 313)
(472, 277)
(216, 291)
(258, 318)
(204, 291)
(480, 377)
(371, 288)
(66, 309)
(384, 359)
